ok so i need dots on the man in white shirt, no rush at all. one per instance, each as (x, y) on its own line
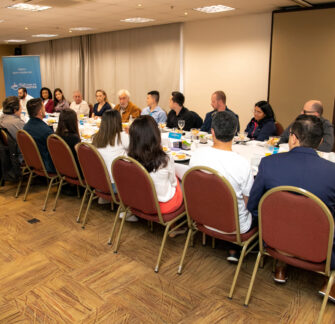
(235, 168)
(24, 98)
(79, 105)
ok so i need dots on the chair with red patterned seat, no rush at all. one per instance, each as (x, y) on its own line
(66, 167)
(297, 228)
(34, 163)
(211, 203)
(96, 176)
(137, 193)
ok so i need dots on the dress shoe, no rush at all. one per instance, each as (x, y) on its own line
(280, 274)
(331, 296)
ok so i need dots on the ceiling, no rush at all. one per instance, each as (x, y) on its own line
(105, 15)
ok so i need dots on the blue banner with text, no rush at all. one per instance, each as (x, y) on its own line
(22, 71)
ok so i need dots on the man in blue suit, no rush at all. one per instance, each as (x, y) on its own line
(218, 102)
(301, 167)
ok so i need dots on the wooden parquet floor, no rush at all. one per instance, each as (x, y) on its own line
(53, 271)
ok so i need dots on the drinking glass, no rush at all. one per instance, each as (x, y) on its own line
(181, 124)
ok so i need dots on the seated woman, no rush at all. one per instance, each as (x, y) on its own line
(102, 104)
(60, 102)
(46, 96)
(111, 142)
(145, 147)
(263, 124)
(68, 130)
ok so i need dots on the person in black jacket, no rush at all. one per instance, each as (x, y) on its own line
(262, 125)
(179, 112)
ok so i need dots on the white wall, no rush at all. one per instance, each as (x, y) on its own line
(229, 54)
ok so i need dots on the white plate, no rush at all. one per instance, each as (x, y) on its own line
(237, 139)
(181, 160)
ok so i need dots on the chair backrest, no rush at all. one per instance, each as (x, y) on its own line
(134, 186)
(62, 158)
(94, 169)
(91, 110)
(279, 128)
(210, 199)
(30, 152)
(4, 137)
(197, 120)
(294, 221)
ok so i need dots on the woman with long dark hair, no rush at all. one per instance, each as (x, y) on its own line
(67, 129)
(262, 125)
(60, 102)
(46, 96)
(145, 147)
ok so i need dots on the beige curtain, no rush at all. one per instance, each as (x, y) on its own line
(139, 60)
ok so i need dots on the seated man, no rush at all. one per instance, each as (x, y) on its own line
(315, 108)
(39, 130)
(235, 168)
(300, 167)
(158, 114)
(79, 105)
(179, 112)
(24, 98)
(218, 102)
(126, 107)
(11, 116)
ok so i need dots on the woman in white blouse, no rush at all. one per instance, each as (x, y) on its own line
(145, 147)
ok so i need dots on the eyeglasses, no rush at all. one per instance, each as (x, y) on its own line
(291, 133)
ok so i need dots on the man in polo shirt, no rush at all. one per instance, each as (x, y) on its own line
(126, 107)
(218, 102)
(39, 130)
(179, 112)
(158, 114)
(300, 167)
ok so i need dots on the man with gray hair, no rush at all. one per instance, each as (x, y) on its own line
(315, 108)
(126, 107)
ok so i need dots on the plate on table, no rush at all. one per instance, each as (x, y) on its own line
(238, 139)
(180, 157)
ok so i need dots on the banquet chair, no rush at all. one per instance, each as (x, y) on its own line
(296, 227)
(4, 141)
(211, 201)
(138, 194)
(279, 128)
(96, 176)
(66, 166)
(34, 163)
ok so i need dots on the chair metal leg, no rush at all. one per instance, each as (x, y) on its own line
(151, 226)
(28, 186)
(189, 234)
(203, 239)
(120, 231)
(112, 205)
(252, 279)
(213, 242)
(19, 187)
(325, 298)
(237, 271)
(167, 228)
(114, 225)
(82, 204)
(58, 192)
(87, 209)
(48, 192)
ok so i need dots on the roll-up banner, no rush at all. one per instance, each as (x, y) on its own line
(22, 71)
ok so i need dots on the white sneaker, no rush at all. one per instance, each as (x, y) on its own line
(129, 218)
